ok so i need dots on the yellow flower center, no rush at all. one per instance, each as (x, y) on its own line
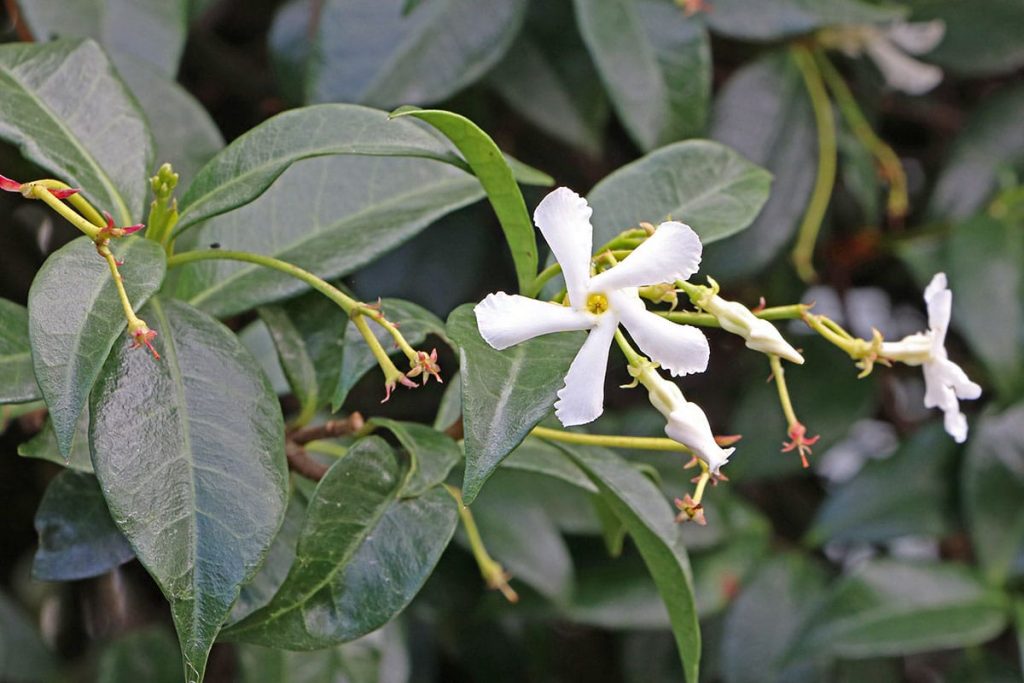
(597, 303)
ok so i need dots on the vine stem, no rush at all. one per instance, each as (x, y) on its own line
(780, 384)
(648, 443)
(493, 573)
(789, 312)
(810, 225)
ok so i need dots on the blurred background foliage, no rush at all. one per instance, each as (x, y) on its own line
(897, 557)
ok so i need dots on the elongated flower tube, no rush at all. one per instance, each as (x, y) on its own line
(945, 382)
(599, 303)
(760, 335)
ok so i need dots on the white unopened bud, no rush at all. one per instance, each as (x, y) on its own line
(760, 334)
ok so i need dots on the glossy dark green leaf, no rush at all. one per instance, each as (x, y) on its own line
(890, 607)
(295, 360)
(44, 446)
(357, 359)
(993, 486)
(909, 493)
(149, 30)
(649, 519)
(763, 112)
(450, 409)
(75, 318)
(982, 37)
(321, 323)
(618, 593)
(189, 451)
(99, 144)
(184, 134)
(991, 142)
(504, 393)
(775, 19)
(150, 655)
(329, 216)
(708, 186)
(249, 165)
(17, 380)
(372, 52)
(24, 657)
(433, 454)
(763, 620)
(540, 457)
(655, 63)
(77, 537)
(495, 174)
(548, 78)
(363, 554)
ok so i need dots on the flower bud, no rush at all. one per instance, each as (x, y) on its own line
(760, 334)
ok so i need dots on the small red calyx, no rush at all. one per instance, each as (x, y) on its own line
(144, 337)
(393, 384)
(426, 365)
(690, 511)
(800, 442)
(111, 230)
(8, 185)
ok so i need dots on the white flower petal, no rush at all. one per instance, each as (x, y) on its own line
(917, 37)
(672, 253)
(680, 349)
(901, 71)
(689, 426)
(564, 219)
(940, 306)
(505, 320)
(581, 400)
(945, 383)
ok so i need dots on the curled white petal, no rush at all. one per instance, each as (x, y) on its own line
(901, 71)
(917, 37)
(564, 219)
(689, 426)
(672, 253)
(939, 300)
(505, 320)
(680, 349)
(581, 400)
(760, 335)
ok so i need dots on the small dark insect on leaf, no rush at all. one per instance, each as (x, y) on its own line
(215, 245)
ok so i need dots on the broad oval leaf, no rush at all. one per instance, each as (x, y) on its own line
(189, 451)
(504, 393)
(17, 381)
(77, 537)
(890, 607)
(655, 63)
(44, 446)
(75, 318)
(993, 486)
(775, 19)
(373, 52)
(98, 143)
(249, 165)
(701, 183)
(148, 655)
(295, 360)
(764, 113)
(363, 554)
(433, 454)
(649, 519)
(329, 216)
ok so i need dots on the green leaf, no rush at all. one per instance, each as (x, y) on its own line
(775, 19)
(363, 554)
(77, 537)
(184, 134)
(540, 457)
(907, 494)
(701, 183)
(357, 358)
(371, 52)
(504, 393)
(650, 522)
(981, 38)
(149, 655)
(547, 78)
(433, 454)
(43, 446)
(295, 360)
(149, 30)
(494, 173)
(991, 143)
(24, 657)
(892, 608)
(98, 143)
(764, 619)
(368, 205)
(655, 63)
(993, 486)
(75, 318)
(764, 113)
(249, 165)
(189, 451)
(17, 381)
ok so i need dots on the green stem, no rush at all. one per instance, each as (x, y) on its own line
(493, 573)
(780, 385)
(810, 226)
(639, 442)
(790, 312)
(90, 230)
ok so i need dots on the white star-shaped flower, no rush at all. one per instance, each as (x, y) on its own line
(945, 382)
(599, 303)
(890, 49)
